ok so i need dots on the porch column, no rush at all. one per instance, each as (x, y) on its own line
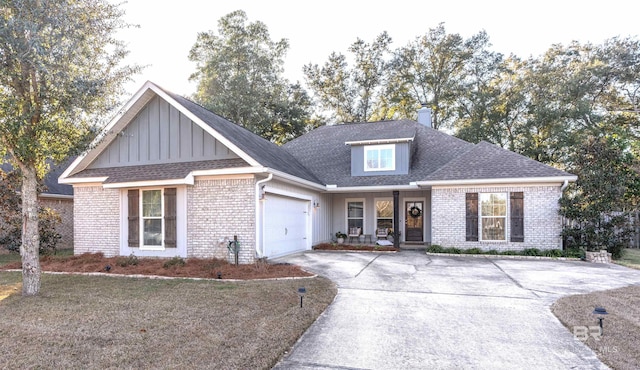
(396, 212)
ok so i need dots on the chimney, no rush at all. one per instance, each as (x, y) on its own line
(424, 115)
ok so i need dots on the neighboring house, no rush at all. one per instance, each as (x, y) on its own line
(170, 178)
(58, 197)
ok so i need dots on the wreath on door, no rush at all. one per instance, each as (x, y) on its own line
(415, 212)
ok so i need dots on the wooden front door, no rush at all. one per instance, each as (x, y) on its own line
(414, 216)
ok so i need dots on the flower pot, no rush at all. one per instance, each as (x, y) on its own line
(340, 240)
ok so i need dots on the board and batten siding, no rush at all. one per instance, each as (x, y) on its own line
(161, 134)
(402, 160)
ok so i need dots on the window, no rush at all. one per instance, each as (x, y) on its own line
(355, 214)
(493, 216)
(154, 212)
(152, 218)
(384, 214)
(379, 158)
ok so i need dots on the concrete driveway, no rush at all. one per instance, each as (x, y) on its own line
(409, 310)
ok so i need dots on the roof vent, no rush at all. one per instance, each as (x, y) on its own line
(424, 115)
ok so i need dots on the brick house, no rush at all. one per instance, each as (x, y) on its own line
(170, 178)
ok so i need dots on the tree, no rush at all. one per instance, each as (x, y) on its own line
(59, 69)
(432, 70)
(239, 76)
(352, 94)
(600, 202)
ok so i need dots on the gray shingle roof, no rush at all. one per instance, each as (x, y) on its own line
(164, 171)
(436, 156)
(324, 153)
(51, 178)
(489, 161)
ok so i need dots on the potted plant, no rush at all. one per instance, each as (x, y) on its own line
(340, 236)
(390, 234)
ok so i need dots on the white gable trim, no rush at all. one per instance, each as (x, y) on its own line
(124, 117)
(380, 141)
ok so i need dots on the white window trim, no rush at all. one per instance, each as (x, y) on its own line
(142, 218)
(375, 212)
(346, 213)
(481, 216)
(379, 148)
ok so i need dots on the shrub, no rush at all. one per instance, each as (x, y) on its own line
(553, 253)
(127, 261)
(473, 251)
(435, 248)
(573, 253)
(531, 252)
(175, 261)
(492, 252)
(453, 250)
(509, 253)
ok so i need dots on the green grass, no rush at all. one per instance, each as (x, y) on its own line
(6, 258)
(80, 322)
(630, 258)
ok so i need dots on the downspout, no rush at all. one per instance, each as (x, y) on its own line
(564, 186)
(259, 246)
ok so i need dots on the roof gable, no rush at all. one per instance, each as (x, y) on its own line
(254, 150)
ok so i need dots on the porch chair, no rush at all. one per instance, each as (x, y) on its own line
(354, 232)
(381, 233)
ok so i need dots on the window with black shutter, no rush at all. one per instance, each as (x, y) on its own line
(472, 217)
(158, 219)
(517, 217)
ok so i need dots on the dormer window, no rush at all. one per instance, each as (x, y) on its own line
(380, 157)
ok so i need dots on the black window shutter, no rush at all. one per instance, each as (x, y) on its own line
(170, 218)
(472, 217)
(133, 196)
(517, 217)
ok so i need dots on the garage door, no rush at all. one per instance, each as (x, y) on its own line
(285, 225)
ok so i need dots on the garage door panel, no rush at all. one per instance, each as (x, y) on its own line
(285, 225)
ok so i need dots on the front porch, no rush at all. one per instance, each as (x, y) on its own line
(405, 215)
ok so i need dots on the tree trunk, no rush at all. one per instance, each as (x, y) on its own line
(30, 235)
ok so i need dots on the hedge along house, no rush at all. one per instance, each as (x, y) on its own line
(170, 178)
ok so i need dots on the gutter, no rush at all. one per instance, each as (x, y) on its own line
(260, 246)
(564, 186)
(512, 180)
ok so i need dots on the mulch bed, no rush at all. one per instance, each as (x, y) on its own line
(354, 247)
(175, 267)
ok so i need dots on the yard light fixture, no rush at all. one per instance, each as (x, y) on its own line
(600, 311)
(301, 292)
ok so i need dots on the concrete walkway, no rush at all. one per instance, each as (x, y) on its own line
(408, 310)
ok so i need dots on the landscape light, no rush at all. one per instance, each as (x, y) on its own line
(301, 292)
(600, 311)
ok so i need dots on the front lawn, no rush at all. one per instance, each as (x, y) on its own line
(630, 258)
(105, 322)
(618, 345)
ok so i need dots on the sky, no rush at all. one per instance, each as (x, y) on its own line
(168, 29)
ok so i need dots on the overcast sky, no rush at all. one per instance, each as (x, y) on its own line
(314, 29)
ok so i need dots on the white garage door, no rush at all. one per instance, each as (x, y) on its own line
(285, 225)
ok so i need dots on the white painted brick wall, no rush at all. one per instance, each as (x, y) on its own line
(219, 209)
(96, 222)
(542, 225)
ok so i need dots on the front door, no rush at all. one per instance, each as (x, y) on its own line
(414, 213)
